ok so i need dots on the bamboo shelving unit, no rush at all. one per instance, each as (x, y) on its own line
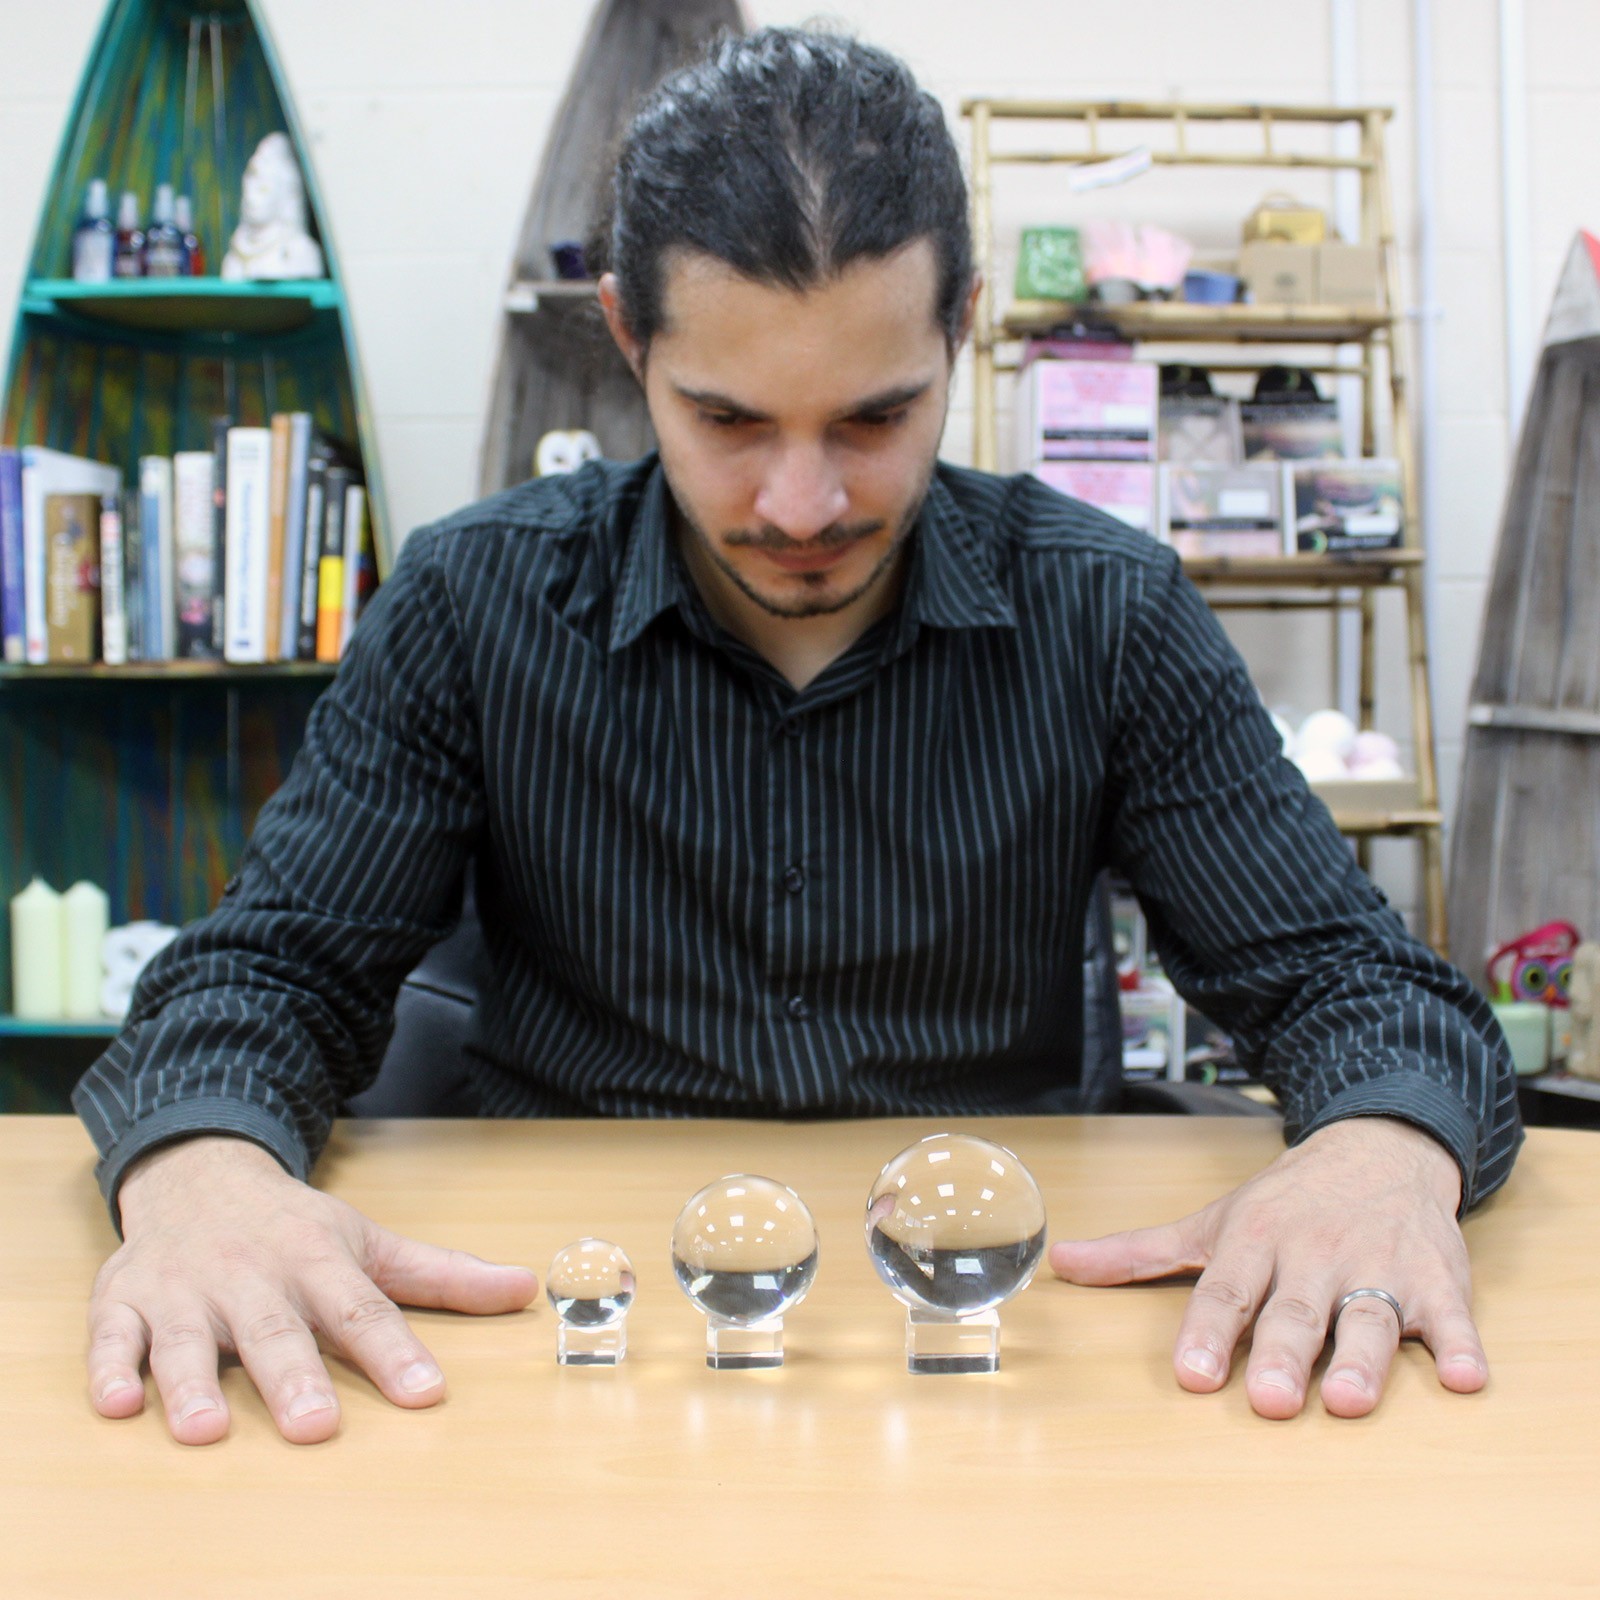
(1260, 333)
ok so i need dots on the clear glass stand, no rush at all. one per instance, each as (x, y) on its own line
(952, 1344)
(731, 1346)
(592, 1347)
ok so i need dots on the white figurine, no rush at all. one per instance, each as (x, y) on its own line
(271, 240)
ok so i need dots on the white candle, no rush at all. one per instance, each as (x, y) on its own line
(85, 915)
(36, 991)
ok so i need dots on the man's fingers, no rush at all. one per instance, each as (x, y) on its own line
(1458, 1353)
(424, 1275)
(1290, 1333)
(118, 1342)
(1223, 1304)
(1133, 1257)
(281, 1356)
(1364, 1342)
(365, 1326)
(183, 1361)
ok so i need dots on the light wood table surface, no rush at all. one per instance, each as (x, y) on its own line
(1080, 1469)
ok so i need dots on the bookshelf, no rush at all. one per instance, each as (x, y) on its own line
(1254, 336)
(147, 778)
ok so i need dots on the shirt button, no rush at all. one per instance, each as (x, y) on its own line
(791, 727)
(799, 1008)
(794, 880)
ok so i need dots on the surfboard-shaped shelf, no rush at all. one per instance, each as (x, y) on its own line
(557, 366)
(1526, 848)
(181, 93)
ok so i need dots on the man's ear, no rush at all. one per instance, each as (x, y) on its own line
(970, 310)
(611, 309)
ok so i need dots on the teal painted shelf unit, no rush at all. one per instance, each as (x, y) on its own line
(146, 779)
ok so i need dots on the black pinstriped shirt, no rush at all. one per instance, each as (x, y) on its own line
(705, 893)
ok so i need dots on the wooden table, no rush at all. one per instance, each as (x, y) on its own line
(1080, 1469)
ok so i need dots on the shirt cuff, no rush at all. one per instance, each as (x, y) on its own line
(1419, 1100)
(188, 1118)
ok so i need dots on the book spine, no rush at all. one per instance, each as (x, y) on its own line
(330, 566)
(72, 526)
(247, 536)
(155, 522)
(11, 565)
(355, 523)
(195, 577)
(36, 646)
(294, 534)
(133, 573)
(311, 555)
(113, 616)
(277, 507)
(219, 528)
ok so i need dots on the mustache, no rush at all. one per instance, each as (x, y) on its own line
(831, 537)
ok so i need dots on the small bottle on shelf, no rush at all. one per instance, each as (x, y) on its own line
(163, 243)
(194, 253)
(94, 239)
(128, 256)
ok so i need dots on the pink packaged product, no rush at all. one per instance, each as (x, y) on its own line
(1088, 411)
(1126, 491)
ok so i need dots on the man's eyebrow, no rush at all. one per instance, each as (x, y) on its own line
(885, 400)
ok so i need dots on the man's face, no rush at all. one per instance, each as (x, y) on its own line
(798, 430)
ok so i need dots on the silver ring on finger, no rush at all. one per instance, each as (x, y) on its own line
(1371, 1294)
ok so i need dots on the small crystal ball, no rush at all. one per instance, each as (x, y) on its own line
(955, 1225)
(591, 1283)
(745, 1249)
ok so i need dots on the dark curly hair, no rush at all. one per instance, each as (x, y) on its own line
(787, 154)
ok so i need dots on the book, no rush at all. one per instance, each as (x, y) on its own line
(192, 540)
(247, 536)
(132, 574)
(277, 508)
(46, 472)
(1223, 511)
(294, 535)
(219, 529)
(330, 565)
(72, 582)
(11, 602)
(113, 606)
(311, 556)
(355, 528)
(156, 576)
(1347, 505)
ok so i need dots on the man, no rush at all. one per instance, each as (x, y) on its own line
(787, 763)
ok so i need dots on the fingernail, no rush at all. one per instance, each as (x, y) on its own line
(115, 1387)
(1275, 1379)
(419, 1376)
(1201, 1361)
(304, 1404)
(196, 1408)
(1356, 1380)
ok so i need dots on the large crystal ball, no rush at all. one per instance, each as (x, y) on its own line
(955, 1225)
(745, 1249)
(590, 1283)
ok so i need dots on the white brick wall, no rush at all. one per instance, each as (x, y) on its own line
(426, 125)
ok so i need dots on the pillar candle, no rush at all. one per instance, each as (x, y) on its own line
(85, 915)
(36, 989)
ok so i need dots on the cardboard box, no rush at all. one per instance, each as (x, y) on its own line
(1280, 274)
(1223, 511)
(1350, 275)
(1087, 411)
(1125, 490)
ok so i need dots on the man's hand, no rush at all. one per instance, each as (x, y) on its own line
(1367, 1203)
(225, 1251)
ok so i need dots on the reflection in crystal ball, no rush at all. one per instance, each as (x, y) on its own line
(955, 1225)
(590, 1284)
(745, 1249)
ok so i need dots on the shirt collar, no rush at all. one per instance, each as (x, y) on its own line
(951, 582)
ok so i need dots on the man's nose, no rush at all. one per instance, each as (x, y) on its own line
(802, 493)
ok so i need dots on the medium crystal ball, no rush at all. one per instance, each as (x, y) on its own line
(745, 1249)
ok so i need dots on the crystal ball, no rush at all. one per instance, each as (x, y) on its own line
(591, 1283)
(955, 1225)
(745, 1249)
